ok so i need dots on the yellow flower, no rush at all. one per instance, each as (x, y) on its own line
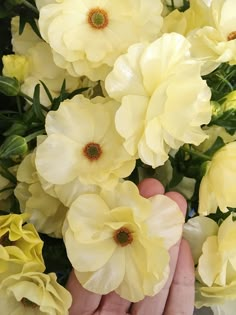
(33, 293)
(185, 22)
(19, 244)
(41, 66)
(118, 240)
(15, 66)
(216, 271)
(216, 41)
(46, 212)
(213, 132)
(87, 37)
(217, 187)
(83, 146)
(156, 83)
(196, 231)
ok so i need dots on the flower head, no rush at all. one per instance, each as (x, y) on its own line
(118, 240)
(221, 169)
(34, 293)
(20, 245)
(87, 36)
(82, 138)
(156, 83)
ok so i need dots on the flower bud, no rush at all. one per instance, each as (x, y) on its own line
(13, 147)
(15, 66)
(230, 101)
(18, 128)
(9, 86)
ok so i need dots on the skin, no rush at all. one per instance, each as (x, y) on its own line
(176, 298)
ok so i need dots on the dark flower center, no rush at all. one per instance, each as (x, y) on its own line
(98, 18)
(232, 35)
(5, 241)
(123, 236)
(92, 151)
(28, 303)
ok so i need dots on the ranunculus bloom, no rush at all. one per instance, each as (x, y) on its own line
(216, 41)
(83, 144)
(20, 245)
(33, 293)
(87, 36)
(218, 185)
(164, 99)
(216, 270)
(45, 211)
(37, 56)
(118, 240)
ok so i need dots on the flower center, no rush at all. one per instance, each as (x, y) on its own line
(92, 151)
(4, 240)
(123, 237)
(98, 18)
(232, 35)
(28, 303)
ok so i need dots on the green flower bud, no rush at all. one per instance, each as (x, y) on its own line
(18, 128)
(230, 101)
(217, 109)
(9, 86)
(13, 147)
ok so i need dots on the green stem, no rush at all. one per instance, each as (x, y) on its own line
(198, 154)
(18, 104)
(30, 6)
(26, 97)
(34, 135)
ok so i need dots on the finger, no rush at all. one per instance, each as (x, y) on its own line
(150, 187)
(155, 305)
(112, 303)
(84, 302)
(181, 295)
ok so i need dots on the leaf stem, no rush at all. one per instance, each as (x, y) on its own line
(198, 154)
(34, 135)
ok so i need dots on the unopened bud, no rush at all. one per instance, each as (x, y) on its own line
(9, 86)
(13, 147)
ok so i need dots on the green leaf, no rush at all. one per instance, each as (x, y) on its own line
(218, 144)
(37, 107)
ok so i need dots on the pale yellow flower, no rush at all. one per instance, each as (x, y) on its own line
(156, 83)
(185, 22)
(15, 66)
(218, 186)
(41, 66)
(83, 144)
(46, 212)
(33, 293)
(196, 231)
(216, 41)
(19, 244)
(213, 132)
(216, 271)
(87, 36)
(118, 240)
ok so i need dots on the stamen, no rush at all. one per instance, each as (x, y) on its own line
(232, 36)
(92, 151)
(123, 236)
(98, 18)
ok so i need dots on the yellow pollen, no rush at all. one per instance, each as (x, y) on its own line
(92, 151)
(232, 36)
(98, 18)
(123, 236)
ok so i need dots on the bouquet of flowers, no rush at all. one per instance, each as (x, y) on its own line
(95, 97)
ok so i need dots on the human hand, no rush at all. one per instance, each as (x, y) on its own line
(176, 298)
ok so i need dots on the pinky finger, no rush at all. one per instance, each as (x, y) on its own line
(181, 295)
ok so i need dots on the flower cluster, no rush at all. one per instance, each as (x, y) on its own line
(98, 95)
